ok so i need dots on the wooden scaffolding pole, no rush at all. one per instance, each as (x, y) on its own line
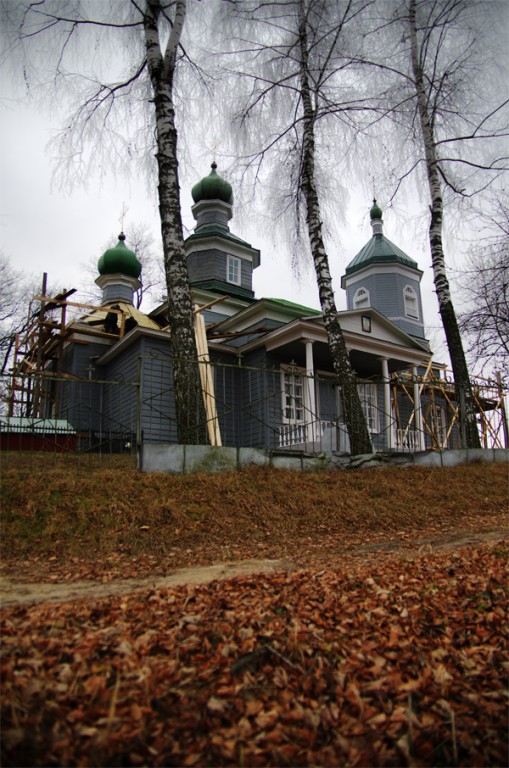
(206, 378)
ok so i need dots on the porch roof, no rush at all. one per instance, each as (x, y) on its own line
(366, 348)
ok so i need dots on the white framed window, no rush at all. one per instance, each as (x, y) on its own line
(368, 398)
(233, 269)
(410, 301)
(361, 298)
(292, 393)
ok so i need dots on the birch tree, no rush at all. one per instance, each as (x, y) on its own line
(288, 53)
(120, 63)
(438, 86)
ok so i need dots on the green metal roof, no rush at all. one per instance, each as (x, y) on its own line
(221, 286)
(215, 229)
(212, 187)
(119, 260)
(299, 307)
(379, 250)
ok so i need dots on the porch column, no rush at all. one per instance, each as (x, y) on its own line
(418, 411)
(387, 402)
(310, 394)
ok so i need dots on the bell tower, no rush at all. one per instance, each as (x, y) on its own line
(382, 276)
(217, 260)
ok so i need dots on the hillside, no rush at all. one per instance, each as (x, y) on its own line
(65, 521)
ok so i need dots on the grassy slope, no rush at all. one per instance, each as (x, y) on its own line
(64, 511)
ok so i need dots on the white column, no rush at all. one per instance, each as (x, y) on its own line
(310, 393)
(418, 412)
(387, 402)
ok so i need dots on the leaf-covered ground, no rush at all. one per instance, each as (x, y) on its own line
(388, 646)
(401, 664)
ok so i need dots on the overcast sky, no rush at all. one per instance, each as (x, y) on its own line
(43, 229)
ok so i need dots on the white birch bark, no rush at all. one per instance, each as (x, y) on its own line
(189, 404)
(454, 343)
(354, 416)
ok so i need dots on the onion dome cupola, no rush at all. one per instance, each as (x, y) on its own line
(217, 260)
(384, 277)
(213, 202)
(213, 187)
(119, 271)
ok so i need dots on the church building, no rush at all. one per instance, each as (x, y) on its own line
(269, 379)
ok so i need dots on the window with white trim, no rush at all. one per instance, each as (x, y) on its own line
(361, 298)
(368, 398)
(233, 269)
(410, 301)
(292, 392)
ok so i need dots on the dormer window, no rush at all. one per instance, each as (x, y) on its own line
(361, 298)
(410, 301)
(233, 269)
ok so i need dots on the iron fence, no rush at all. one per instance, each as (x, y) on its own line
(271, 408)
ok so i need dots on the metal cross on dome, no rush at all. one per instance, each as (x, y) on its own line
(122, 216)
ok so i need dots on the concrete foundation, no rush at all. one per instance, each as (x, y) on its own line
(182, 459)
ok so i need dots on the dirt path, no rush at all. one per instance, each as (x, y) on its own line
(12, 593)
(16, 593)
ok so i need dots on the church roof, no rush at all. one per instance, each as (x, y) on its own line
(212, 187)
(143, 320)
(379, 250)
(119, 260)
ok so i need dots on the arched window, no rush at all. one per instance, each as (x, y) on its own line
(361, 298)
(410, 300)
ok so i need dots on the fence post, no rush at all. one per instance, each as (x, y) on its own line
(463, 426)
(139, 401)
(503, 410)
(387, 403)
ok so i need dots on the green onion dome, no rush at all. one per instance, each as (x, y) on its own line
(212, 187)
(119, 260)
(376, 211)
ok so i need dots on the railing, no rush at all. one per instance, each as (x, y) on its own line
(407, 440)
(290, 435)
(318, 435)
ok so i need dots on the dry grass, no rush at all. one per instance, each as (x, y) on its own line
(61, 508)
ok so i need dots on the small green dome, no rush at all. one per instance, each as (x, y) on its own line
(212, 187)
(376, 211)
(119, 260)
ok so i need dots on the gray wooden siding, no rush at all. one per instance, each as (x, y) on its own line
(227, 386)
(211, 265)
(158, 415)
(256, 401)
(386, 295)
(121, 400)
(80, 402)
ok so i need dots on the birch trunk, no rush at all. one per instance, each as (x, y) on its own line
(464, 396)
(355, 420)
(191, 424)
